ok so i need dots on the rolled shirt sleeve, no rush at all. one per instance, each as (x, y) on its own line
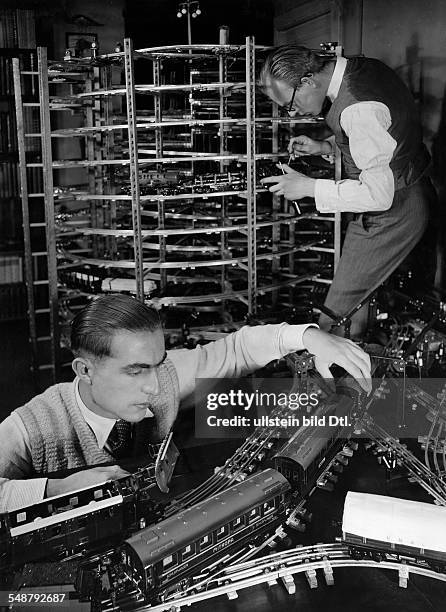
(372, 147)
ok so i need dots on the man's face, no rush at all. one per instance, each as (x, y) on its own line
(307, 100)
(123, 383)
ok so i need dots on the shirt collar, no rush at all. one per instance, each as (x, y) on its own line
(336, 78)
(101, 426)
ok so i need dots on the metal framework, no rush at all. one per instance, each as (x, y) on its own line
(171, 200)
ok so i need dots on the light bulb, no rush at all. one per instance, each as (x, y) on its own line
(183, 10)
(194, 15)
(198, 11)
(179, 14)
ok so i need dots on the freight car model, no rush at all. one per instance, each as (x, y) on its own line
(380, 527)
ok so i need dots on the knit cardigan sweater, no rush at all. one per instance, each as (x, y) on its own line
(60, 439)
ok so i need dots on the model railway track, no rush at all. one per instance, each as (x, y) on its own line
(242, 460)
(186, 264)
(245, 459)
(419, 472)
(282, 567)
(124, 233)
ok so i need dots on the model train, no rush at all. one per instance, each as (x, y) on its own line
(388, 528)
(82, 520)
(309, 458)
(161, 560)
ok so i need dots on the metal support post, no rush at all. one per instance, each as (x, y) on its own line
(108, 152)
(328, 572)
(251, 175)
(28, 259)
(289, 584)
(48, 189)
(134, 167)
(311, 577)
(403, 576)
(275, 231)
(223, 137)
(159, 153)
(95, 184)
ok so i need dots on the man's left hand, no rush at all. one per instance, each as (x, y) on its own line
(292, 185)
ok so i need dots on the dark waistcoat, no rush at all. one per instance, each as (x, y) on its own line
(368, 79)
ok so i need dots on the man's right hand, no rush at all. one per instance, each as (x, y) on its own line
(303, 145)
(329, 349)
(86, 478)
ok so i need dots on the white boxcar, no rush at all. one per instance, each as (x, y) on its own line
(399, 524)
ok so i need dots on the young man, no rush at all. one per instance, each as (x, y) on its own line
(376, 125)
(125, 376)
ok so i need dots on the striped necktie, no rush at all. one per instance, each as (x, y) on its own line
(119, 439)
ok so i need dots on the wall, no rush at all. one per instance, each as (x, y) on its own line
(154, 22)
(410, 37)
(305, 22)
(55, 20)
(411, 40)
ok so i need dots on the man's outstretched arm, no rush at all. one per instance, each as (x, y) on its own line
(251, 348)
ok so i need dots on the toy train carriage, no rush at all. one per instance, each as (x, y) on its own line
(86, 518)
(383, 527)
(308, 452)
(61, 525)
(161, 557)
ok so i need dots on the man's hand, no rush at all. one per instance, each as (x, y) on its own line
(329, 349)
(303, 145)
(86, 478)
(293, 185)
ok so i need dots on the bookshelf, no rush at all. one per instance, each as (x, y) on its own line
(17, 39)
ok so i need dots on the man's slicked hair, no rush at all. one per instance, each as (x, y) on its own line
(93, 328)
(290, 63)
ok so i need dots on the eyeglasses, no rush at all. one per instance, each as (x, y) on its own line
(289, 109)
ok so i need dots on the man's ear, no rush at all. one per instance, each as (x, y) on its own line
(83, 368)
(308, 79)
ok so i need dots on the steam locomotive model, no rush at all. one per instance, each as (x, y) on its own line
(161, 560)
(388, 528)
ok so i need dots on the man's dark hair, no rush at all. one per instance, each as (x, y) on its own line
(290, 63)
(92, 329)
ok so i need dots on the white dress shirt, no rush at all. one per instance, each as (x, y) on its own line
(100, 426)
(366, 125)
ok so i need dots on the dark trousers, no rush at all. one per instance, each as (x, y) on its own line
(375, 245)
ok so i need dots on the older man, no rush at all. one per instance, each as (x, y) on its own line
(124, 378)
(376, 125)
